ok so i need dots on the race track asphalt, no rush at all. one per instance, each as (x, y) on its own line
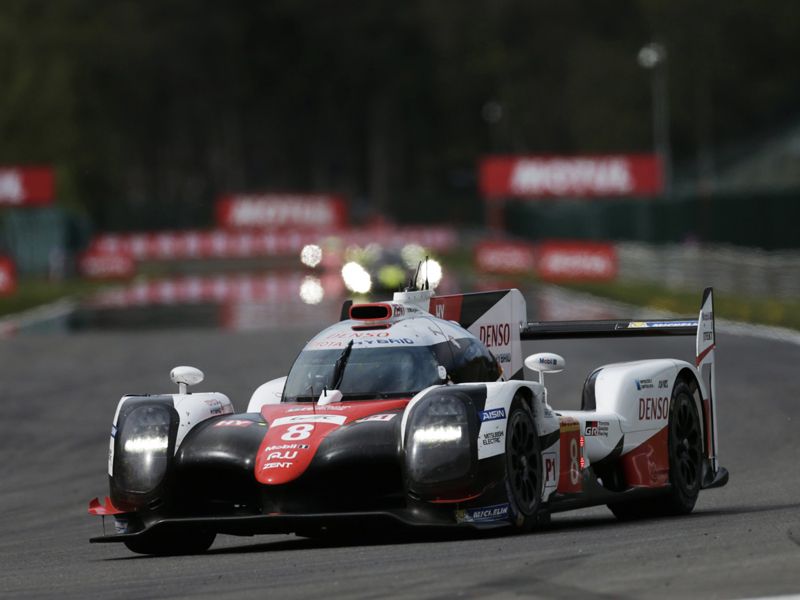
(58, 398)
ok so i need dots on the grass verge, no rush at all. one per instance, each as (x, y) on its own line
(36, 292)
(767, 311)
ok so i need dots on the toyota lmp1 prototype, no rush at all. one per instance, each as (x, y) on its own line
(414, 412)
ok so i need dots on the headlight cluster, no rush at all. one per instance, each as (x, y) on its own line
(142, 448)
(439, 446)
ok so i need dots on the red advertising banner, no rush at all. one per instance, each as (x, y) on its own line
(577, 261)
(297, 211)
(218, 289)
(505, 257)
(26, 186)
(8, 276)
(570, 176)
(107, 265)
(172, 245)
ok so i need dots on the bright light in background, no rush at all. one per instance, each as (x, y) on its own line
(311, 255)
(412, 254)
(432, 271)
(372, 252)
(356, 278)
(353, 253)
(311, 291)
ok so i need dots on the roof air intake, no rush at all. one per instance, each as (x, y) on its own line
(370, 312)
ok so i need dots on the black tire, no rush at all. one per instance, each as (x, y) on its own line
(172, 543)
(685, 450)
(524, 470)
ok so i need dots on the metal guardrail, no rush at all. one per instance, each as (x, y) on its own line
(745, 271)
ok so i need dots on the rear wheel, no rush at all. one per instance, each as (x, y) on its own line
(685, 449)
(524, 467)
(169, 543)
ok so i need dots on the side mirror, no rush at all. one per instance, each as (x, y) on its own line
(545, 362)
(185, 376)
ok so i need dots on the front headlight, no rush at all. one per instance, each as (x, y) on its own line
(439, 447)
(142, 448)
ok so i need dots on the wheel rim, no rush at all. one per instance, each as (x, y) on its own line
(523, 463)
(687, 443)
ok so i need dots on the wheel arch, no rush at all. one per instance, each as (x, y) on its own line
(690, 378)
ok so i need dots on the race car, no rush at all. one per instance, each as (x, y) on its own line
(414, 412)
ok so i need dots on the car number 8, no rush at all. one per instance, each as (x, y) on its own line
(574, 466)
(298, 432)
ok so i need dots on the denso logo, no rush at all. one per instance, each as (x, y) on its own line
(358, 334)
(495, 335)
(492, 414)
(653, 409)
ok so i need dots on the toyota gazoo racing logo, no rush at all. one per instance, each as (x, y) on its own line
(485, 514)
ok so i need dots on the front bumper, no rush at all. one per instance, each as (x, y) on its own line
(283, 523)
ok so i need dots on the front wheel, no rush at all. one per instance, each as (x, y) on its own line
(524, 467)
(685, 450)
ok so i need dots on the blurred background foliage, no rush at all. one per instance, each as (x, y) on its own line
(150, 109)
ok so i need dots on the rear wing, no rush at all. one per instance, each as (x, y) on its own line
(551, 330)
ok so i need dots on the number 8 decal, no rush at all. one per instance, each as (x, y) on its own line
(569, 475)
(574, 464)
(298, 432)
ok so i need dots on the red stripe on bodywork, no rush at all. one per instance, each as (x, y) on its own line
(288, 448)
(703, 354)
(647, 465)
(447, 307)
(455, 500)
(570, 478)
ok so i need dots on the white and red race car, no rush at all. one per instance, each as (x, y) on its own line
(399, 414)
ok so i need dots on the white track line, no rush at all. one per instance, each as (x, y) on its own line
(16, 322)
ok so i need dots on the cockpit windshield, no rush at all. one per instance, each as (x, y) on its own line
(369, 373)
